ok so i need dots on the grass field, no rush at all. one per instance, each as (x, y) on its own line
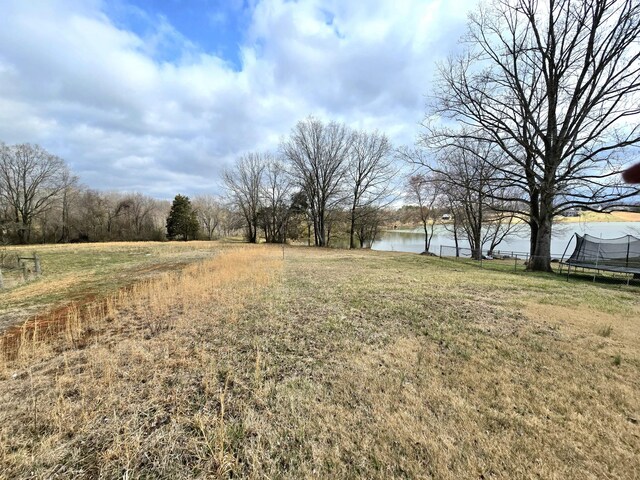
(332, 364)
(81, 271)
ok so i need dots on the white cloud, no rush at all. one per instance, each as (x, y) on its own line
(100, 97)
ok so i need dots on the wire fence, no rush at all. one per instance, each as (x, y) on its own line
(513, 261)
(495, 259)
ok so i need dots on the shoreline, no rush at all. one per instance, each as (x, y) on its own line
(584, 217)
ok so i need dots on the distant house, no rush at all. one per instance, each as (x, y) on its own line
(571, 213)
(446, 216)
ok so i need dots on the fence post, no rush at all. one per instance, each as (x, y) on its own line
(440, 251)
(24, 270)
(36, 261)
(515, 264)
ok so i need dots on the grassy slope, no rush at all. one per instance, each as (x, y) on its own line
(338, 364)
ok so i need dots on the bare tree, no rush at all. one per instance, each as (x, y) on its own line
(499, 226)
(370, 172)
(210, 212)
(276, 192)
(69, 194)
(424, 191)
(555, 86)
(243, 183)
(318, 154)
(140, 210)
(367, 225)
(467, 174)
(300, 213)
(456, 212)
(31, 179)
(89, 217)
(157, 219)
(232, 220)
(132, 216)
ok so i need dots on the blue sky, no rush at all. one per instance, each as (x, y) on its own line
(213, 26)
(161, 96)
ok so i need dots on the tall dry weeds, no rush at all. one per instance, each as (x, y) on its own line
(130, 370)
(153, 302)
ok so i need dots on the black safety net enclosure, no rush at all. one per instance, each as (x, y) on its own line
(607, 254)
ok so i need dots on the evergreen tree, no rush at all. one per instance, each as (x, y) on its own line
(182, 220)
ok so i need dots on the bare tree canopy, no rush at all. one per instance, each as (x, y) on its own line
(209, 210)
(263, 190)
(469, 179)
(31, 180)
(99, 216)
(318, 154)
(370, 171)
(276, 194)
(555, 85)
(243, 183)
(425, 192)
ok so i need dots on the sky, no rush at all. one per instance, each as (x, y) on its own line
(160, 97)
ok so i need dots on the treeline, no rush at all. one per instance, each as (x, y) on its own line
(534, 117)
(41, 201)
(325, 180)
(330, 183)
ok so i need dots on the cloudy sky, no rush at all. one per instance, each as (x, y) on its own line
(159, 96)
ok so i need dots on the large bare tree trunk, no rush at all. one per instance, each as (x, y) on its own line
(352, 229)
(533, 237)
(477, 243)
(321, 231)
(427, 240)
(541, 260)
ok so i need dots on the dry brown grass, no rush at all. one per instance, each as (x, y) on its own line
(332, 364)
(602, 217)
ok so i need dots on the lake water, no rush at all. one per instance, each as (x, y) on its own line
(563, 234)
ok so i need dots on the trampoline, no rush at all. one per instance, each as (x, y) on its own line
(620, 255)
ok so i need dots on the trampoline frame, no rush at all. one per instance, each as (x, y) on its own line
(631, 270)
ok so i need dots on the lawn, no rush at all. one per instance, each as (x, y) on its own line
(333, 364)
